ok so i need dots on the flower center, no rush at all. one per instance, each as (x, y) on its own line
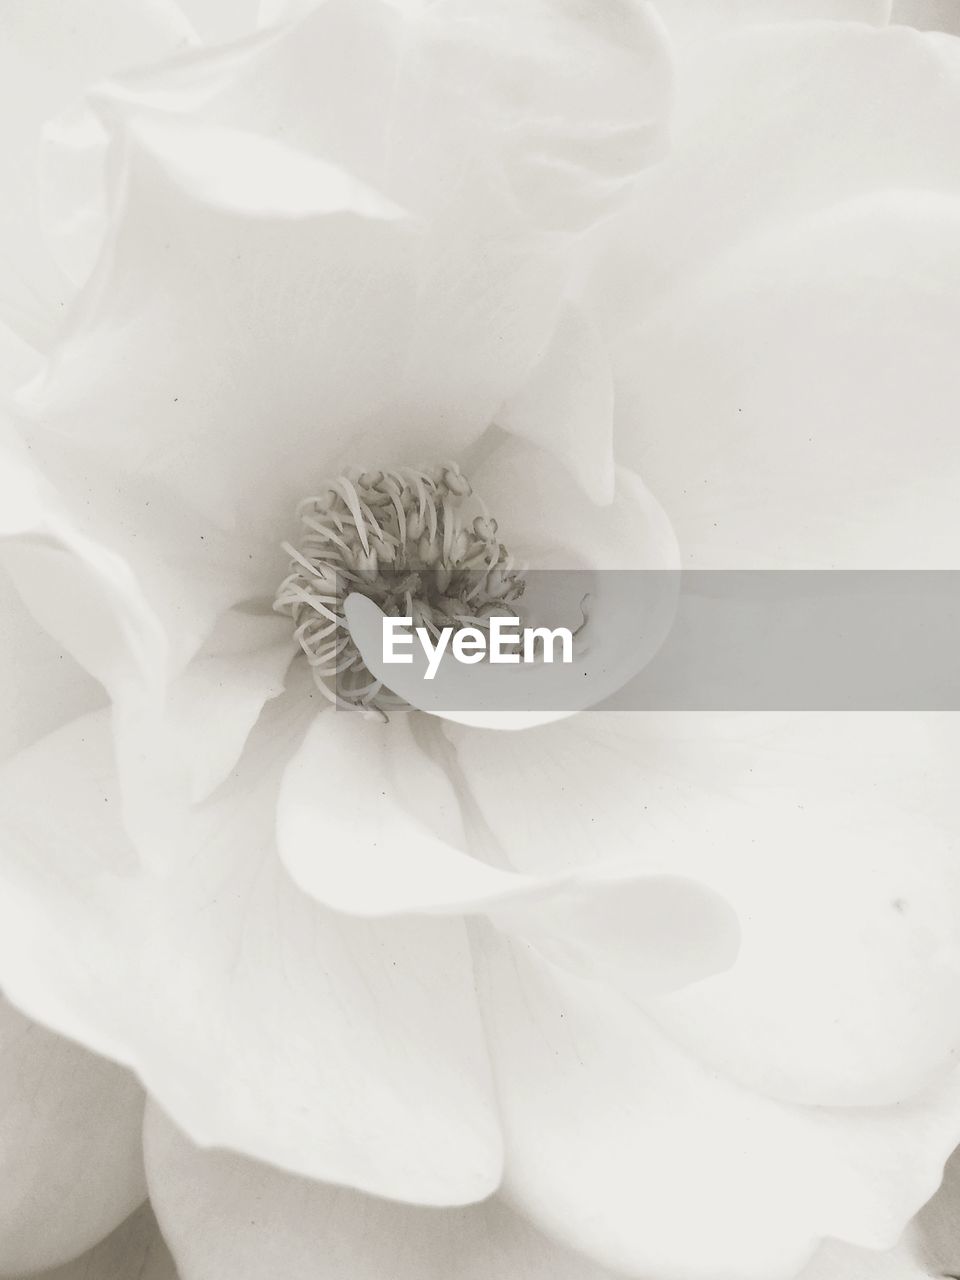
(419, 544)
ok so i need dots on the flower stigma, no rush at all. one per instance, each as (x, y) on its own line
(419, 543)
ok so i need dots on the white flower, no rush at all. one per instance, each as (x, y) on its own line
(683, 988)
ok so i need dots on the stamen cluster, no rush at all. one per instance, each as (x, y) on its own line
(417, 543)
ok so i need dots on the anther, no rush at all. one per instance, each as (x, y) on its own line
(416, 542)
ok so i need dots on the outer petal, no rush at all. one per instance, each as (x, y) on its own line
(393, 112)
(834, 1261)
(70, 1164)
(842, 875)
(64, 574)
(578, 96)
(930, 1247)
(135, 1249)
(796, 406)
(694, 19)
(619, 1144)
(233, 1219)
(335, 1048)
(564, 107)
(166, 519)
(774, 123)
(45, 62)
(179, 741)
(180, 436)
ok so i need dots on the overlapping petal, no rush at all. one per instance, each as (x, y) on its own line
(83, 593)
(578, 98)
(446, 304)
(136, 1248)
(218, 20)
(566, 404)
(842, 875)
(186, 456)
(382, 835)
(70, 1162)
(41, 687)
(233, 1219)
(438, 295)
(45, 63)
(794, 407)
(773, 123)
(621, 1144)
(19, 360)
(700, 20)
(333, 1047)
(835, 1261)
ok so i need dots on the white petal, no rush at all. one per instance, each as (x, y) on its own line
(234, 415)
(45, 62)
(255, 177)
(621, 1145)
(81, 592)
(882, 119)
(19, 361)
(873, 12)
(819, 433)
(232, 1219)
(558, 106)
(547, 520)
(580, 95)
(845, 989)
(135, 1249)
(199, 418)
(215, 703)
(41, 687)
(335, 1048)
(175, 749)
(834, 1261)
(369, 823)
(70, 1142)
(567, 405)
(695, 19)
(190, 373)
(393, 112)
(219, 20)
(930, 1247)
(189, 559)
